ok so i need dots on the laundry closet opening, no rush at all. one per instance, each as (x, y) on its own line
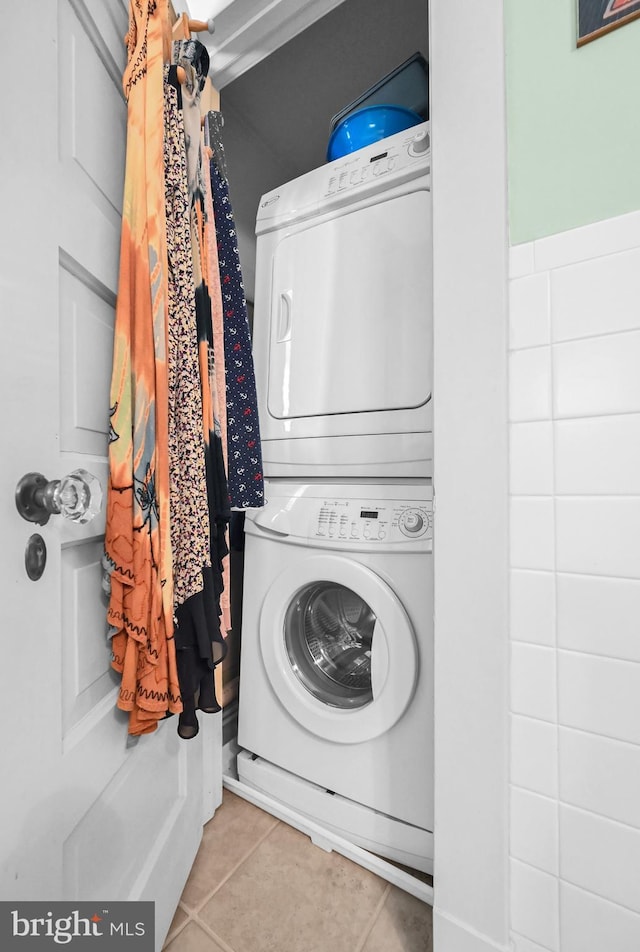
(277, 122)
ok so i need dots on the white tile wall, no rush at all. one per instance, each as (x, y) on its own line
(598, 536)
(601, 695)
(594, 456)
(534, 755)
(591, 924)
(574, 386)
(531, 458)
(535, 905)
(591, 377)
(533, 681)
(600, 855)
(594, 297)
(530, 384)
(534, 830)
(529, 311)
(521, 260)
(531, 533)
(522, 944)
(601, 775)
(533, 607)
(588, 243)
(596, 615)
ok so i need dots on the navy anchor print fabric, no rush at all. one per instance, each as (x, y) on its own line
(246, 489)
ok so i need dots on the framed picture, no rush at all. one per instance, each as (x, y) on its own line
(596, 17)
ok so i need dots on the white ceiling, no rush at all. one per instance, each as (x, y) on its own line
(246, 31)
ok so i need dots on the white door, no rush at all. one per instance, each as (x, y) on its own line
(87, 812)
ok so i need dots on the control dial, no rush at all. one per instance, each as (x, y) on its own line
(421, 143)
(413, 522)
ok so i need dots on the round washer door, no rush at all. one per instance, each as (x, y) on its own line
(338, 649)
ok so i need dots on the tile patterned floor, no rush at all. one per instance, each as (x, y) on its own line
(258, 885)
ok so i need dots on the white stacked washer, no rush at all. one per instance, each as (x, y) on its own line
(336, 683)
(336, 688)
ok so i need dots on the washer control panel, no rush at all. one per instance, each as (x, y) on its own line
(367, 165)
(350, 520)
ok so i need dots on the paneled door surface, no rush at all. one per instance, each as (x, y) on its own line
(86, 812)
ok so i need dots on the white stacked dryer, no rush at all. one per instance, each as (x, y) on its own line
(343, 328)
(336, 681)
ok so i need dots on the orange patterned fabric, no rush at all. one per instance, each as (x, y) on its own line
(137, 541)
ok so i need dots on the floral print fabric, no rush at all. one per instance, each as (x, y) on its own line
(190, 536)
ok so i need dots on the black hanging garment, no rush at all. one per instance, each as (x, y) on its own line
(246, 486)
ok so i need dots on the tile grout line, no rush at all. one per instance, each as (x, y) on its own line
(173, 935)
(543, 948)
(574, 885)
(196, 909)
(212, 935)
(561, 341)
(374, 918)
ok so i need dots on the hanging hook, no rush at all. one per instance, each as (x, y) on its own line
(202, 26)
(184, 27)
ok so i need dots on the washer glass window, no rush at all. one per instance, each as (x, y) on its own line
(328, 631)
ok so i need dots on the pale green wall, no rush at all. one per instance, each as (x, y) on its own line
(573, 120)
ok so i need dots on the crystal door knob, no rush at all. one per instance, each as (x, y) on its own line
(77, 497)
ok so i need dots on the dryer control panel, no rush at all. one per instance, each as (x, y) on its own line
(391, 155)
(351, 520)
(354, 177)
